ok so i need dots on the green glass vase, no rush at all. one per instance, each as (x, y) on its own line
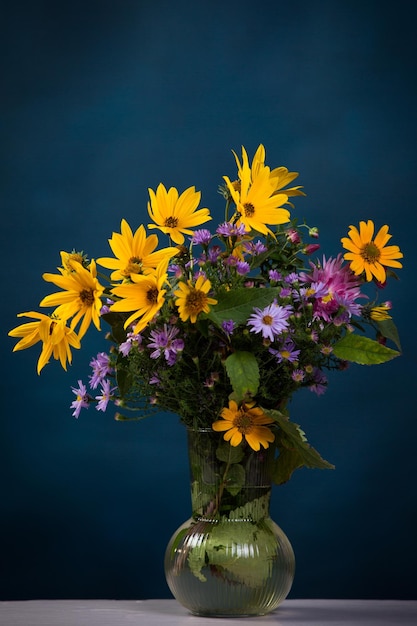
(230, 558)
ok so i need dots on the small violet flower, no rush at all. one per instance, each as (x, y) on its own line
(132, 339)
(101, 368)
(242, 268)
(228, 327)
(274, 276)
(82, 401)
(164, 342)
(270, 321)
(319, 384)
(228, 229)
(106, 395)
(201, 237)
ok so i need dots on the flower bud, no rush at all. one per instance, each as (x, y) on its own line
(311, 247)
(293, 235)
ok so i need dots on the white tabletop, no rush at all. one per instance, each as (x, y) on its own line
(170, 613)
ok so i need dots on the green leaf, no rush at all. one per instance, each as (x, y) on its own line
(123, 377)
(287, 462)
(228, 562)
(363, 350)
(215, 556)
(388, 329)
(294, 449)
(235, 479)
(116, 321)
(243, 371)
(229, 454)
(237, 305)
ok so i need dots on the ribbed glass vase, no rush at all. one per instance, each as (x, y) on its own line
(230, 558)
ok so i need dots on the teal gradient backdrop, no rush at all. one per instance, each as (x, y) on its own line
(101, 100)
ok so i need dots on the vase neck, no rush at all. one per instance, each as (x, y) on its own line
(227, 481)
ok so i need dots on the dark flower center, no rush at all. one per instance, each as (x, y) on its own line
(243, 422)
(196, 301)
(249, 209)
(370, 252)
(152, 295)
(133, 267)
(87, 297)
(171, 222)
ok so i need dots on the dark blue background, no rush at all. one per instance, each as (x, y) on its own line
(101, 100)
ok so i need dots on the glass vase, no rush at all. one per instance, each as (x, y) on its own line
(230, 558)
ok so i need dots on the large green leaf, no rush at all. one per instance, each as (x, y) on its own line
(243, 371)
(216, 556)
(238, 304)
(388, 329)
(295, 451)
(363, 350)
(286, 464)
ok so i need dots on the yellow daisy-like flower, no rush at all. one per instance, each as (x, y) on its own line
(279, 176)
(380, 313)
(256, 202)
(247, 423)
(193, 299)
(135, 253)
(370, 255)
(67, 260)
(144, 296)
(81, 298)
(174, 215)
(55, 335)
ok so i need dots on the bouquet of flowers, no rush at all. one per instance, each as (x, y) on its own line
(222, 325)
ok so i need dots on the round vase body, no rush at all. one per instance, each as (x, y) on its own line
(230, 558)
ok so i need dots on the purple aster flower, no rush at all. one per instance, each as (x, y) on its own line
(342, 319)
(214, 253)
(274, 276)
(228, 229)
(201, 237)
(319, 384)
(242, 268)
(231, 260)
(286, 352)
(132, 339)
(314, 336)
(285, 292)
(106, 395)
(228, 327)
(326, 350)
(164, 341)
(198, 274)
(255, 248)
(270, 321)
(83, 399)
(176, 270)
(259, 247)
(298, 376)
(292, 279)
(101, 368)
(314, 291)
(106, 307)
